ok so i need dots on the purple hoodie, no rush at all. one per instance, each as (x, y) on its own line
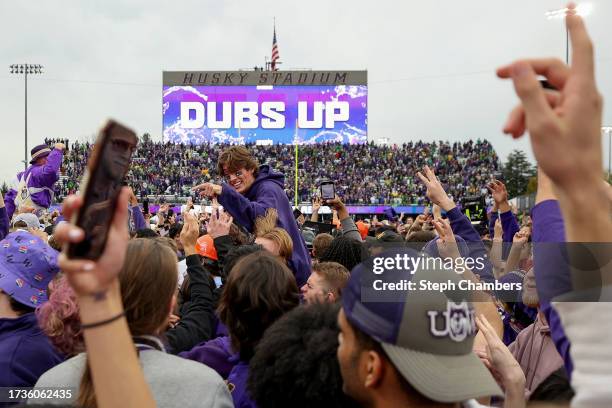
(218, 355)
(267, 191)
(41, 176)
(553, 277)
(25, 352)
(462, 226)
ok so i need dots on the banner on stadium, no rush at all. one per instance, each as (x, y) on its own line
(263, 107)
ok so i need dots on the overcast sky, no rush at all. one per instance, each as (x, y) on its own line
(431, 64)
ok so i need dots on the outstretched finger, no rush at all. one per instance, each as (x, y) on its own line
(430, 173)
(423, 178)
(439, 229)
(487, 330)
(582, 46)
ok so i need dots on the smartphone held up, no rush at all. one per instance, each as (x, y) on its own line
(100, 188)
(328, 190)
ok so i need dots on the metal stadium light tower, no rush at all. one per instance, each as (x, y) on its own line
(26, 69)
(583, 9)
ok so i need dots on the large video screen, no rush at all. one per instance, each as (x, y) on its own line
(265, 114)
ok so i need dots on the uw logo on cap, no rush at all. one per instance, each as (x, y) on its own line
(459, 322)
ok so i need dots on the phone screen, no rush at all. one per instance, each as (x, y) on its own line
(145, 206)
(101, 185)
(327, 191)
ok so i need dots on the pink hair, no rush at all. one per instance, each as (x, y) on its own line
(59, 318)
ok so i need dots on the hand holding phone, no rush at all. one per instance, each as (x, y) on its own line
(101, 186)
(328, 190)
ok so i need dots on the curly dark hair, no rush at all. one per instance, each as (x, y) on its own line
(295, 363)
(259, 290)
(346, 251)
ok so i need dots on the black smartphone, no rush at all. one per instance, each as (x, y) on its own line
(100, 187)
(145, 206)
(328, 190)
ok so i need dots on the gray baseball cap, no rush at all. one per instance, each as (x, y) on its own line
(30, 219)
(427, 334)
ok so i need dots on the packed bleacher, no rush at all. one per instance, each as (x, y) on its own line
(364, 174)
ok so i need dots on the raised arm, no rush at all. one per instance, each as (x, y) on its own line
(460, 224)
(564, 128)
(316, 206)
(195, 325)
(509, 222)
(244, 211)
(117, 376)
(349, 229)
(47, 174)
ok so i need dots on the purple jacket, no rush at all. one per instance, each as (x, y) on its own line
(462, 226)
(215, 353)
(40, 176)
(267, 192)
(4, 223)
(552, 274)
(510, 227)
(237, 381)
(25, 352)
(493, 218)
(218, 355)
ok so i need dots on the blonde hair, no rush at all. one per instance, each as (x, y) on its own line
(265, 227)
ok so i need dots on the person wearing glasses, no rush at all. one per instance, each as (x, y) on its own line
(247, 193)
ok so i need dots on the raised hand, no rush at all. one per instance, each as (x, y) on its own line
(498, 359)
(89, 278)
(316, 203)
(498, 230)
(190, 233)
(522, 236)
(447, 244)
(435, 191)
(337, 204)
(564, 126)
(219, 224)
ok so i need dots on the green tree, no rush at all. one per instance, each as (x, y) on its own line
(146, 137)
(517, 172)
(4, 189)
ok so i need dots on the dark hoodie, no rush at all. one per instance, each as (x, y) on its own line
(267, 191)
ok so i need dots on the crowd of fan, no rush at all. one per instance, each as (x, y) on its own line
(364, 174)
(240, 321)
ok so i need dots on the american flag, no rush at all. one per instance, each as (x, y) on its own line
(275, 54)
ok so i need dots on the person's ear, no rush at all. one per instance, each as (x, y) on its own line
(331, 296)
(374, 370)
